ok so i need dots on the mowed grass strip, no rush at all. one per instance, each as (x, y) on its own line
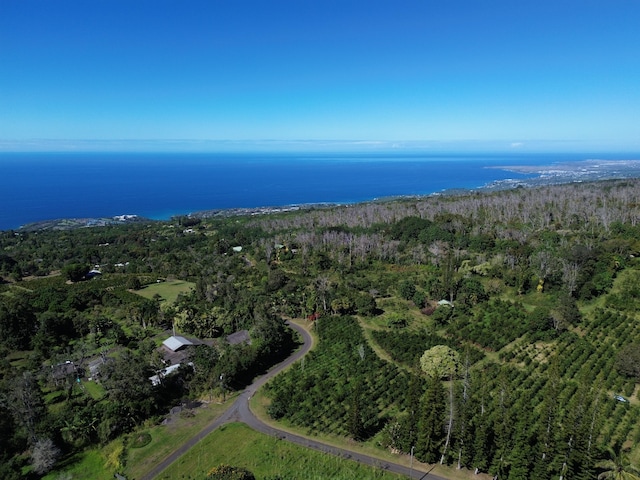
(238, 445)
(95, 463)
(94, 389)
(168, 291)
(165, 439)
(88, 464)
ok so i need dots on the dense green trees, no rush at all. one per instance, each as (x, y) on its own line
(17, 322)
(74, 272)
(130, 393)
(440, 362)
(628, 361)
(431, 422)
(543, 283)
(339, 388)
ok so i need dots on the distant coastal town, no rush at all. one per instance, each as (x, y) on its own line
(583, 171)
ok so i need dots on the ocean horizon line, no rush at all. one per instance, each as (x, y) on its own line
(35, 187)
(335, 145)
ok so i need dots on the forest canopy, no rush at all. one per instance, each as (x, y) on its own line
(496, 332)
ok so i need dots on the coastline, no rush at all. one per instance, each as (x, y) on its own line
(532, 176)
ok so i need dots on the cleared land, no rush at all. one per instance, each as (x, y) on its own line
(168, 291)
(166, 438)
(266, 456)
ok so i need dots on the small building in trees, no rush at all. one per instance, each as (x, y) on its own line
(176, 342)
(175, 349)
(157, 379)
(63, 371)
(95, 366)
(93, 273)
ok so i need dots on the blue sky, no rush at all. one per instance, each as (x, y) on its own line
(432, 74)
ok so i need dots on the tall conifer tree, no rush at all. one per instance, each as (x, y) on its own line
(431, 433)
(483, 439)
(522, 454)
(548, 424)
(503, 421)
(410, 422)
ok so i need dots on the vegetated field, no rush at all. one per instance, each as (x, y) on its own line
(87, 464)
(94, 389)
(166, 438)
(541, 346)
(99, 463)
(265, 456)
(169, 291)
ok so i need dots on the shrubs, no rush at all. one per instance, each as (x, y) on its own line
(140, 440)
(407, 347)
(628, 361)
(228, 472)
(495, 324)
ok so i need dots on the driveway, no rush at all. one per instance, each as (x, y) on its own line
(239, 411)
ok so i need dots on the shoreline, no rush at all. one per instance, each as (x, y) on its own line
(540, 175)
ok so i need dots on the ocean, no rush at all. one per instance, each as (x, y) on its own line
(44, 186)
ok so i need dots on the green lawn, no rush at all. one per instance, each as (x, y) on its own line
(167, 438)
(94, 389)
(233, 444)
(169, 291)
(88, 464)
(265, 456)
(102, 463)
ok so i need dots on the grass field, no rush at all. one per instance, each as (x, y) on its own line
(102, 463)
(89, 464)
(168, 291)
(94, 389)
(166, 438)
(233, 444)
(259, 404)
(265, 456)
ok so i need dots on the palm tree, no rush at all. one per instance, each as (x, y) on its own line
(618, 467)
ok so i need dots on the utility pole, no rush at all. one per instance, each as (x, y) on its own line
(411, 463)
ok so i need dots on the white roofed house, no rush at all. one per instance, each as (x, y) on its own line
(174, 352)
(175, 349)
(157, 379)
(93, 273)
(176, 342)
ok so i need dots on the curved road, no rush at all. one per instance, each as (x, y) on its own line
(239, 411)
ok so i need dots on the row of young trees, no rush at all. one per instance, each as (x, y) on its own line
(513, 264)
(487, 419)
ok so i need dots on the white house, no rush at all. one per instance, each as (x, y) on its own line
(176, 342)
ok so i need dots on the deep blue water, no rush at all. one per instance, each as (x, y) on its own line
(42, 186)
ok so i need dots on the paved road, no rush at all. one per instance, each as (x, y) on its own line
(239, 411)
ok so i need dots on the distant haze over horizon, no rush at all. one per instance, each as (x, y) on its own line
(289, 75)
(426, 148)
